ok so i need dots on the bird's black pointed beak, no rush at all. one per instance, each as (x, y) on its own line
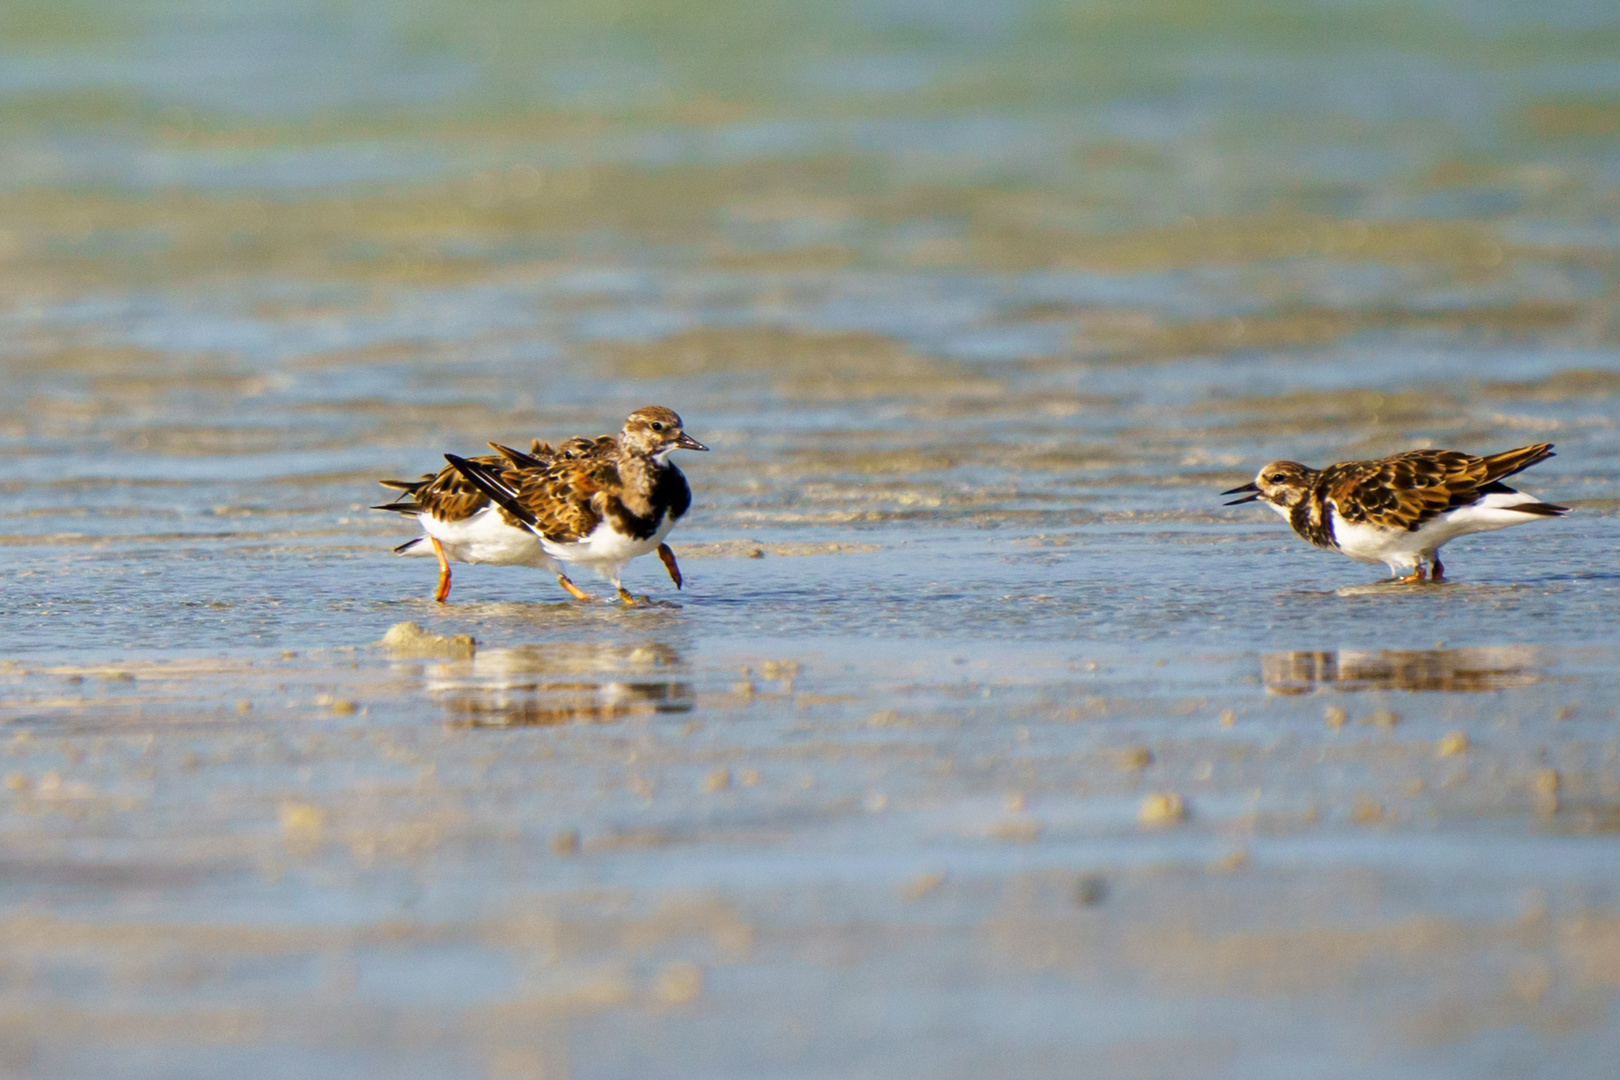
(686, 442)
(1239, 490)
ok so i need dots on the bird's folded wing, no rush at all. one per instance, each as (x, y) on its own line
(561, 502)
(1404, 491)
(566, 500)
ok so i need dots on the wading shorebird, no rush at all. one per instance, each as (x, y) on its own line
(603, 508)
(462, 525)
(1402, 509)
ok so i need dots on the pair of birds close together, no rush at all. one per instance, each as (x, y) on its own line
(604, 501)
(594, 502)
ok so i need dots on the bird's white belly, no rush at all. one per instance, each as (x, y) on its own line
(606, 549)
(484, 538)
(1370, 544)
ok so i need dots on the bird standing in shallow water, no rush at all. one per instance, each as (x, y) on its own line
(462, 525)
(1402, 509)
(602, 509)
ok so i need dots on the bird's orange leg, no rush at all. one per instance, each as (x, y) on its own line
(667, 557)
(444, 570)
(1410, 579)
(573, 590)
(1436, 571)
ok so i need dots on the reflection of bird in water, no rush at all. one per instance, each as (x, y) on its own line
(561, 683)
(462, 525)
(1402, 509)
(604, 508)
(1454, 670)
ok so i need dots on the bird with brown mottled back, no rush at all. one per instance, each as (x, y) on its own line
(461, 524)
(1400, 510)
(602, 508)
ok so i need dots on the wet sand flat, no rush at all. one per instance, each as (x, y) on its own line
(982, 741)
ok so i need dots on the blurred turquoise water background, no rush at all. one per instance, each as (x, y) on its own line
(979, 308)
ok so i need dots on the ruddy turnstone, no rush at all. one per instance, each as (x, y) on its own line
(461, 525)
(459, 522)
(604, 508)
(1402, 509)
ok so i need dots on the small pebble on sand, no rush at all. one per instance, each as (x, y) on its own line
(1161, 809)
(1367, 812)
(301, 817)
(1134, 757)
(1452, 744)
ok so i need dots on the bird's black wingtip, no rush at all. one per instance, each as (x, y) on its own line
(492, 485)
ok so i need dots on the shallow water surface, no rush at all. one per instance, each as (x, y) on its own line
(982, 741)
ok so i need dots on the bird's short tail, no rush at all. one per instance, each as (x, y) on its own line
(1540, 509)
(406, 503)
(1508, 462)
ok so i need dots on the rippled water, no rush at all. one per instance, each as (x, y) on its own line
(983, 740)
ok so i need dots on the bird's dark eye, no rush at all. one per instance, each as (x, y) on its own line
(658, 425)
(1277, 478)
